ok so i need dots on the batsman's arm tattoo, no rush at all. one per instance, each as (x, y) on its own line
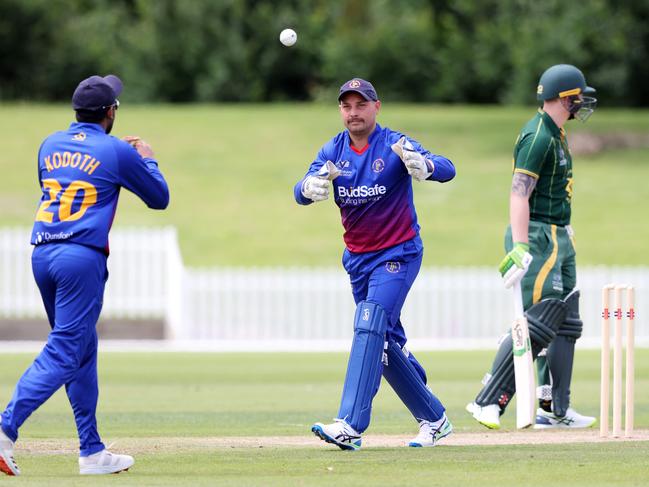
(523, 184)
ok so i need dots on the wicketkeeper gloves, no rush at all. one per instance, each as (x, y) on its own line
(417, 165)
(316, 188)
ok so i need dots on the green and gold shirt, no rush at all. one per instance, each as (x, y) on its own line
(541, 151)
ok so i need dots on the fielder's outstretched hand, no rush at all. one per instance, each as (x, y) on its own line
(417, 165)
(515, 264)
(139, 145)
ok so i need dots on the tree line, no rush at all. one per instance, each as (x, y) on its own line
(488, 51)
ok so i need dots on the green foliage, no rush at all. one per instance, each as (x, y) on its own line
(414, 50)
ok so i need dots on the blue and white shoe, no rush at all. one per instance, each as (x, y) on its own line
(572, 419)
(338, 433)
(431, 432)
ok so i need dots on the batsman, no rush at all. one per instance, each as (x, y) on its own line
(371, 169)
(540, 210)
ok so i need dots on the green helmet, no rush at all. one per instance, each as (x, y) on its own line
(567, 81)
(562, 80)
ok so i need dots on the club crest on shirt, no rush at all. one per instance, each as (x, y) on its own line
(562, 157)
(378, 165)
(393, 267)
(80, 136)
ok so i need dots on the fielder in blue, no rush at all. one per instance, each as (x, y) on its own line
(81, 171)
(371, 170)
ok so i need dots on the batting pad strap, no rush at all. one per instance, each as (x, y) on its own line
(572, 326)
(407, 381)
(364, 367)
(544, 319)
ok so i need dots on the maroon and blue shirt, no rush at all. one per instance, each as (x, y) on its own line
(374, 189)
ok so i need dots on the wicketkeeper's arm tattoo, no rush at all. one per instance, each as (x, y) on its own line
(523, 184)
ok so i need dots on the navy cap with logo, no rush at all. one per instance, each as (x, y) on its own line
(97, 92)
(360, 86)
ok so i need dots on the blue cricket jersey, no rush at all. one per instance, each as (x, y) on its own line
(374, 189)
(81, 171)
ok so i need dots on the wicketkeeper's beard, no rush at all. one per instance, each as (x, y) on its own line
(109, 127)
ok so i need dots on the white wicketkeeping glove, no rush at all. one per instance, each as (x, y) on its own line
(316, 188)
(417, 165)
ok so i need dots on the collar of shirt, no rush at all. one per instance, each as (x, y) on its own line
(87, 127)
(549, 123)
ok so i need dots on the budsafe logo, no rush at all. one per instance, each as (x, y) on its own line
(393, 267)
(366, 314)
(361, 191)
(378, 165)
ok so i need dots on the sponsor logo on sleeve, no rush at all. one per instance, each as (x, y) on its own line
(344, 167)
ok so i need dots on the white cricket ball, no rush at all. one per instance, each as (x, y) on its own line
(288, 37)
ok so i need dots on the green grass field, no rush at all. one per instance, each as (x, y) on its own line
(231, 169)
(163, 407)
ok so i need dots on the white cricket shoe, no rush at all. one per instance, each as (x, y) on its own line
(572, 419)
(104, 462)
(431, 432)
(339, 433)
(7, 462)
(488, 416)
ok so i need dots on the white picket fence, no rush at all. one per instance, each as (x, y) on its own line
(293, 308)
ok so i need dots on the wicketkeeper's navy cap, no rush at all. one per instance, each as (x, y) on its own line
(360, 86)
(95, 93)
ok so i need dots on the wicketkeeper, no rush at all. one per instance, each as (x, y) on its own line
(370, 170)
(540, 209)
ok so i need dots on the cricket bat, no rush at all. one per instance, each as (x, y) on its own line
(523, 364)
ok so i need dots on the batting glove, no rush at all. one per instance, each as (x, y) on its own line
(515, 264)
(417, 165)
